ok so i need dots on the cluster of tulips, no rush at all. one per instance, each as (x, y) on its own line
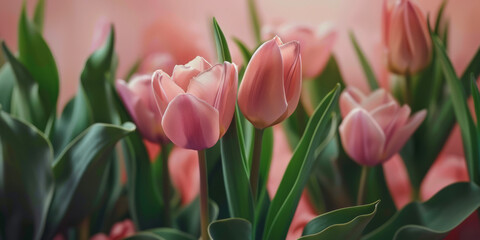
(274, 147)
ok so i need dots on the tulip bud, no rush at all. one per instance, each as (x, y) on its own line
(138, 98)
(271, 86)
(197, 103)
(406, 37)
(315, 45)
(375, 127)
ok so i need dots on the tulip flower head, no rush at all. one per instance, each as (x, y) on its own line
(272, 82)
(138, 98)
(197, 102)
(375, 127)
(316, 45)
(406, 37)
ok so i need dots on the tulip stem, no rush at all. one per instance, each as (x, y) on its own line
(202, 162)
(362, 186)
(166, 186)
(255, 170)
(408, 89)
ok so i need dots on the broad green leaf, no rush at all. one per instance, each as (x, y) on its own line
(346, 223)
(255, 21)
(462, 113)
(27, 103)
(367, 69)
(7, 83)
(314, 90)
(38, 17)
(434, 218)
(26, 182)
(223, 53)
(78, 171)
(230, 228)
(37, 58)
(188, 219)
(161, 233)
(320, 129)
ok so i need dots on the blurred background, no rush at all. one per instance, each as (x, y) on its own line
(183, 27)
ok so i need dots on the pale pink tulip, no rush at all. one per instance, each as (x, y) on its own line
(120, 230)
(315, 44)
(197, 103)
(406, 37)
(138, 98)
(185, 173)
(272, 83)
(375, 127)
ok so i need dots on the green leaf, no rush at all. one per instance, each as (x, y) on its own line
(252, 9)
(161, 233)
(462, 113)
(231, 228)
(440, 16)
(476, 98)
(434, 218)
(188, 219)
(78, 171)
(367, 69)
(7, 83)
(38, 17)
(221, 43)
(320, 129)
(346, 223)
(26, 183)
(26, 101)
(37, 58)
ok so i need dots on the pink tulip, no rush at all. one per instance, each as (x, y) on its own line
(398, 181)
(138, 98)
(184, 171)
(406, 37)
(375, 127)
(197, 103)
(120, 230)
(271, 86)
(315, 45)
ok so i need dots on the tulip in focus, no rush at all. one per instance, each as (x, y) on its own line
(138, 98)
(316, 45)
(406, 37)
(375, 127)
(196, 103)
(120, 230)
(271, 86)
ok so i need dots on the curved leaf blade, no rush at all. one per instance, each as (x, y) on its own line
(230, 228)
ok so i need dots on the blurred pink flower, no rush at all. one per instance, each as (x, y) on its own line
(120, 230)
(398, 181)
(139, 100)
(184, 171)
(280, 160)
(271, 86)
(375, 127)
(406, 37)
(316, 45)
(197, 103)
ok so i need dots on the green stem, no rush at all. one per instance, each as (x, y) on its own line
(166, 186)
(202, 162)
(255, 170)
(408, 89)
(362, 186)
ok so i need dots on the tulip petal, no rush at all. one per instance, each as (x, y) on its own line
(292, 72)
(191, 123)
(183, 74)
(261, 96)
(143, 117)
(417, 37)
(164, 90)
(349, 99)
(185, 173)
(399, 49)
(362, 137)
(377, 99)
(390, 117)
(400, 137)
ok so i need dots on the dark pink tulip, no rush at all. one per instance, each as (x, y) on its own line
(271, 86)
(316, 45)
(375, 127)
(197, 103)
(138, 98)
(406, 36)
